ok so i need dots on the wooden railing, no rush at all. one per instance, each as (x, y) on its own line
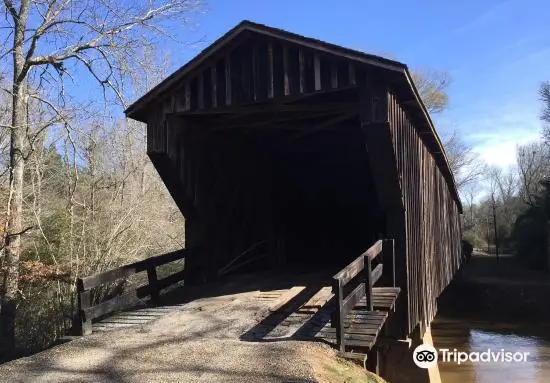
(87, 310)
(362, 269)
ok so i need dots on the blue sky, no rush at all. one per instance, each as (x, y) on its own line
(497, 53)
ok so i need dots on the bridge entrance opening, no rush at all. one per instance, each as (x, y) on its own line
(286, 187)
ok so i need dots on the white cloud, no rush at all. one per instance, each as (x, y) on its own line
(499, 148)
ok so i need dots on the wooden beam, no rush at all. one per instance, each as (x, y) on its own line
(376, 274)
(316, 128)
(353, 298)
(125, 271)
(350, 271)
(373, 251)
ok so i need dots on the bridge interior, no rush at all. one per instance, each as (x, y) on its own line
(290, 185)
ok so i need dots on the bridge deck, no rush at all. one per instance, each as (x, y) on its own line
(292, 313)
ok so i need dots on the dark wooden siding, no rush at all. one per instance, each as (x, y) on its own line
(432, 219)
(260, 69)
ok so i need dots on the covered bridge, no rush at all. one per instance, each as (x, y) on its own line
(289, 153)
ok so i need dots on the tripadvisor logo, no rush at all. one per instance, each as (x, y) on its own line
(425, 356)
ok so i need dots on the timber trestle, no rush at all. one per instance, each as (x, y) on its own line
(362, 308)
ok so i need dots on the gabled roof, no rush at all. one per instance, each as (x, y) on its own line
(400, 69)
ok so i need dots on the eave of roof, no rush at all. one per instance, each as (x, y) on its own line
(133, 110)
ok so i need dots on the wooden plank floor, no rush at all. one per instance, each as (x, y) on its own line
(311, 320)
(361, 327)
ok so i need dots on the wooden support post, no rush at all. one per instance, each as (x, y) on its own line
(153, 284)
(339, 316)
(372, 362)
(368, 282)
(84, 323)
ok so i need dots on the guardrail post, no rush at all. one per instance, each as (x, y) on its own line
(84, 297)
(153, 284)
(368, 282)
(339, 316)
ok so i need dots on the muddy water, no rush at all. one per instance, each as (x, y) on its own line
(472, 336)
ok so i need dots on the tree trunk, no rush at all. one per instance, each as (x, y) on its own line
(495, 229)
(15, 203)
(15, 225)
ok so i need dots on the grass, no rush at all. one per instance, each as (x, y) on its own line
(329, 368)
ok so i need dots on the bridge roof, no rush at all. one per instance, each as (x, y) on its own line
(400, 75)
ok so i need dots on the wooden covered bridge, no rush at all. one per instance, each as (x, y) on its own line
(289, 154)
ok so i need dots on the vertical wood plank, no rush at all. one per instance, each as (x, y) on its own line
(317, 69)
(194, 93)
(278, 70)
(368, 282)
(214, 86)
(228, 91)
(293, 70)
(207, 88)
(264, 76)
(200, 91)
(271, 86)
(309, 72)
(326, 81)
(339, 314)
(302, 64)
(187, 96)
(237, 71)
(153, 284)
(286, 71)
(351, 72)
(342, 74)
(255, 72)
(333, 75)
(247, 73)
(221, 92)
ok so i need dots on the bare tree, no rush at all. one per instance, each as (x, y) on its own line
(50, 40)
(466, 165)
(432, 86)
(495, 175)
(533, 166)
(544, 93)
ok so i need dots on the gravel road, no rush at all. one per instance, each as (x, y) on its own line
(199, 343)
